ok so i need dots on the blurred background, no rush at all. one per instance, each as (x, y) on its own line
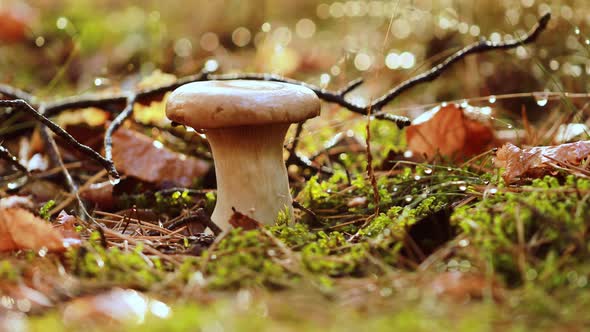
(63, 47)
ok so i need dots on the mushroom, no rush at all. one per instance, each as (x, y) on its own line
(245, 123)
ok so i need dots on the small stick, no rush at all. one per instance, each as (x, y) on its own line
(23, 105)
(299, 206)
(12, 160)
(56, 159)
(14, 93)
(117, 122)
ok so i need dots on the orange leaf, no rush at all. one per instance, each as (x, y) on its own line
(13, 27)
(536, 161)
(243, 221)
(140, 156)
(450, 131)
(20, 229)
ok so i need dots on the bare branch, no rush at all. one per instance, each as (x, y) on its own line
(117, 122)
(10, 92)
(478, 47)
(142, 96)
(12, 160)
(295, 159)
(24, 106)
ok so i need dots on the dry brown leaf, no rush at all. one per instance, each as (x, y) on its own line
(20, 229)
(450, 131)
(537, 161)
(66, 224)
(243, 221)
(461, 287)
(140, 156)
(101, 194)
(117, 305)
(13, 25)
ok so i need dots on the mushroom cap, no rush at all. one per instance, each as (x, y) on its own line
(232, 103)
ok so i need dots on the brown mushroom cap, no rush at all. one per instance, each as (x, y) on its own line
(221, 104)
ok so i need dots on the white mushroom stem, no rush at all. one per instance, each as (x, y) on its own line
(251, 173)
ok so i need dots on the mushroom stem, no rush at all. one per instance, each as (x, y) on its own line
(251, 174)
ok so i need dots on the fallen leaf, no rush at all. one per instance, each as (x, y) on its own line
(66, 224)
(115, 306)
(100, 194)
(20, 229)
(462, 286)
(140, 156)
(537, 161)
(13, 24)
(243, 221)
(451, 131)
(40, 190)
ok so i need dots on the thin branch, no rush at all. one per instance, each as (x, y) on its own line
(298, 160)
(10, 92)
(295, 139)
(351, 86)
(302, 161)
(23, 105)
(56, 158)
(309, 212)
(103, 101)
(146, 96)
(117, 122)
(478, 47)
(12, 160)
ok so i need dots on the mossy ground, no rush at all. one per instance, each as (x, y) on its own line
(531, 241)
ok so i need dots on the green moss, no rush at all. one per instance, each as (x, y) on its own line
(171, 204)
(534, 234)
(114, 266)
(44, 210)
(244, 258)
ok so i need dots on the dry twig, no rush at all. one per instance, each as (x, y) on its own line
(12, 160)
(23, 105)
